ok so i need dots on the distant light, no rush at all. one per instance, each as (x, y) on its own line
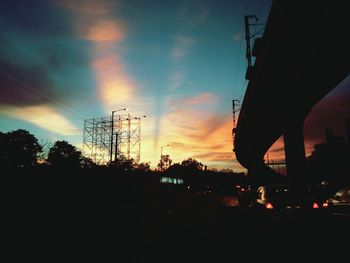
(325, 205)
(269, 206)
(315, 205)
(169, 180)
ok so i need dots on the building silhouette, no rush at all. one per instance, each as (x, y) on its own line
(330, 160)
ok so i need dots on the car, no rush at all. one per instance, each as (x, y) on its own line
(320, 194)
(230, 195)
(284, 200)
(339, 203)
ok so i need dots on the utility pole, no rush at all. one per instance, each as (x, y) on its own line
(129, 134)
(248, 53)
(234, 123)
(112, 134)
(116, 144)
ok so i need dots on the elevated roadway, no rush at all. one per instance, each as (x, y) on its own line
(304, 54)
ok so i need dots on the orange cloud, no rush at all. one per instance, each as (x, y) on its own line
(191, 132)
(102, 31)
(95, 23)
(202, 98)
(44, 117)
(276, 151)
(114, 86)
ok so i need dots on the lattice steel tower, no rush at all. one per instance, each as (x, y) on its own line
(106, 139)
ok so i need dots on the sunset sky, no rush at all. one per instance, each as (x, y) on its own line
(180, 63)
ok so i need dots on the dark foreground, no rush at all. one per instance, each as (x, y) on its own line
(134, 218)
(166, 227)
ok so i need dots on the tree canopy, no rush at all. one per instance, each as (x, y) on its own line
(192, 164)
(63, 154)
(19, 149)
(165, 162)
(188, 166)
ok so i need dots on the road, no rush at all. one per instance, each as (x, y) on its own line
(166, 230)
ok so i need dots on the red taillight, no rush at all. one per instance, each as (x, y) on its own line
(315, 205)
(325, 205)
(269, 206)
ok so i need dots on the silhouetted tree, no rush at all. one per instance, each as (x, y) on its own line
(64, 155)
(87, 162)
(189, 166)
(175, 169)
(165, 162)
(19, 149)
(126, 164)
(192, 165)
(144, 167)
(123, 164)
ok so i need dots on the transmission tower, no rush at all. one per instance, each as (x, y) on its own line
(96, 138)
(116, 137)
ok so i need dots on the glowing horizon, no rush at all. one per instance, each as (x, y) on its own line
(179, 63)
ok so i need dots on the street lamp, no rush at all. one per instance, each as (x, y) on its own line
(139, 118)
(112, 132)
(161, 156)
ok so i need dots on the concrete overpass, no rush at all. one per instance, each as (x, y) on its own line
(304, 54)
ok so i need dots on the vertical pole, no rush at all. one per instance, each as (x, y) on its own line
(116, 148)
(294, 150)
(161, 158)
(112, 131)
(139, 131)
(247, 39)
(129, 134)
(84, 134)
(248, 50)
(233, 123)
(94, 139)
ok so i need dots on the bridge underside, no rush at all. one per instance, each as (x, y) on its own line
(304, 55)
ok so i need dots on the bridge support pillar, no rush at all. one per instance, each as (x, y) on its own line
(295, 150)
(257, 173)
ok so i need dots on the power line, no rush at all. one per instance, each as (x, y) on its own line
(22, 84)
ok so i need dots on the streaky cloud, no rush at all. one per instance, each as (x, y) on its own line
(183, 46)
(44, 117)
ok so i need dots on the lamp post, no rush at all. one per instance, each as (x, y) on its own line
(161, 156)
(112, 132)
